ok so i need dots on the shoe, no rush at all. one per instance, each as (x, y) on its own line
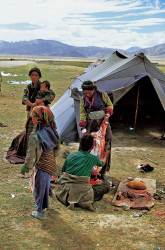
(145, 168)
(39, 215)
(51, 194)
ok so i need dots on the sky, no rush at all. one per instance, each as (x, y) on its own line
(118, 24)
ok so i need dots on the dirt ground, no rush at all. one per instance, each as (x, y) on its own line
(129, 150)
(99, 229)
(109, 227)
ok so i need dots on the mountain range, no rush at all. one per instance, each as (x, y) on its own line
(41, 47)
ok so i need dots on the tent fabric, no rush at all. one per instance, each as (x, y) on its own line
(158, 89)
(93, 65)
(115, 75)
(64, 113)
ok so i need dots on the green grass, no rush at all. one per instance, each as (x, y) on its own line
(78, 64)
(66, 229)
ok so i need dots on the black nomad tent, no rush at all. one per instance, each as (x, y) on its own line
(133, 83)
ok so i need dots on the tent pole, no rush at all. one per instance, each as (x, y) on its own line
(137, 105)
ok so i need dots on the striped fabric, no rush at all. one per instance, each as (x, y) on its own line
(47, 162)
(80, 163)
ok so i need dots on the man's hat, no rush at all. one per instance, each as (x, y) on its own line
(88, 85)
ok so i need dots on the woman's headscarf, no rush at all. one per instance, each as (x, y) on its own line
(45, 128)
(44, 115)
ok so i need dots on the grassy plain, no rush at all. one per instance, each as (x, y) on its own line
(108, 227)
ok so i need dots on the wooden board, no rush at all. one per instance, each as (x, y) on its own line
(142, 199)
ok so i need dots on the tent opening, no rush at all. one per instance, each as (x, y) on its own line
(149, 112)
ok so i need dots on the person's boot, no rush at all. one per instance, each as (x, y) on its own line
(39, 215)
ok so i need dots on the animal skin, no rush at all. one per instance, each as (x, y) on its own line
(135, 184)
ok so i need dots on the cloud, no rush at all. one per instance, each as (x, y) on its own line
(40, 12)
(136, 23)
(157, 4)
(19, 26)
(101, 23)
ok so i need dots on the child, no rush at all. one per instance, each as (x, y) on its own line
(42, 143)
(42, 93)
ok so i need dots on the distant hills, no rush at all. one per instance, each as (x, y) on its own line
(40, 47)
